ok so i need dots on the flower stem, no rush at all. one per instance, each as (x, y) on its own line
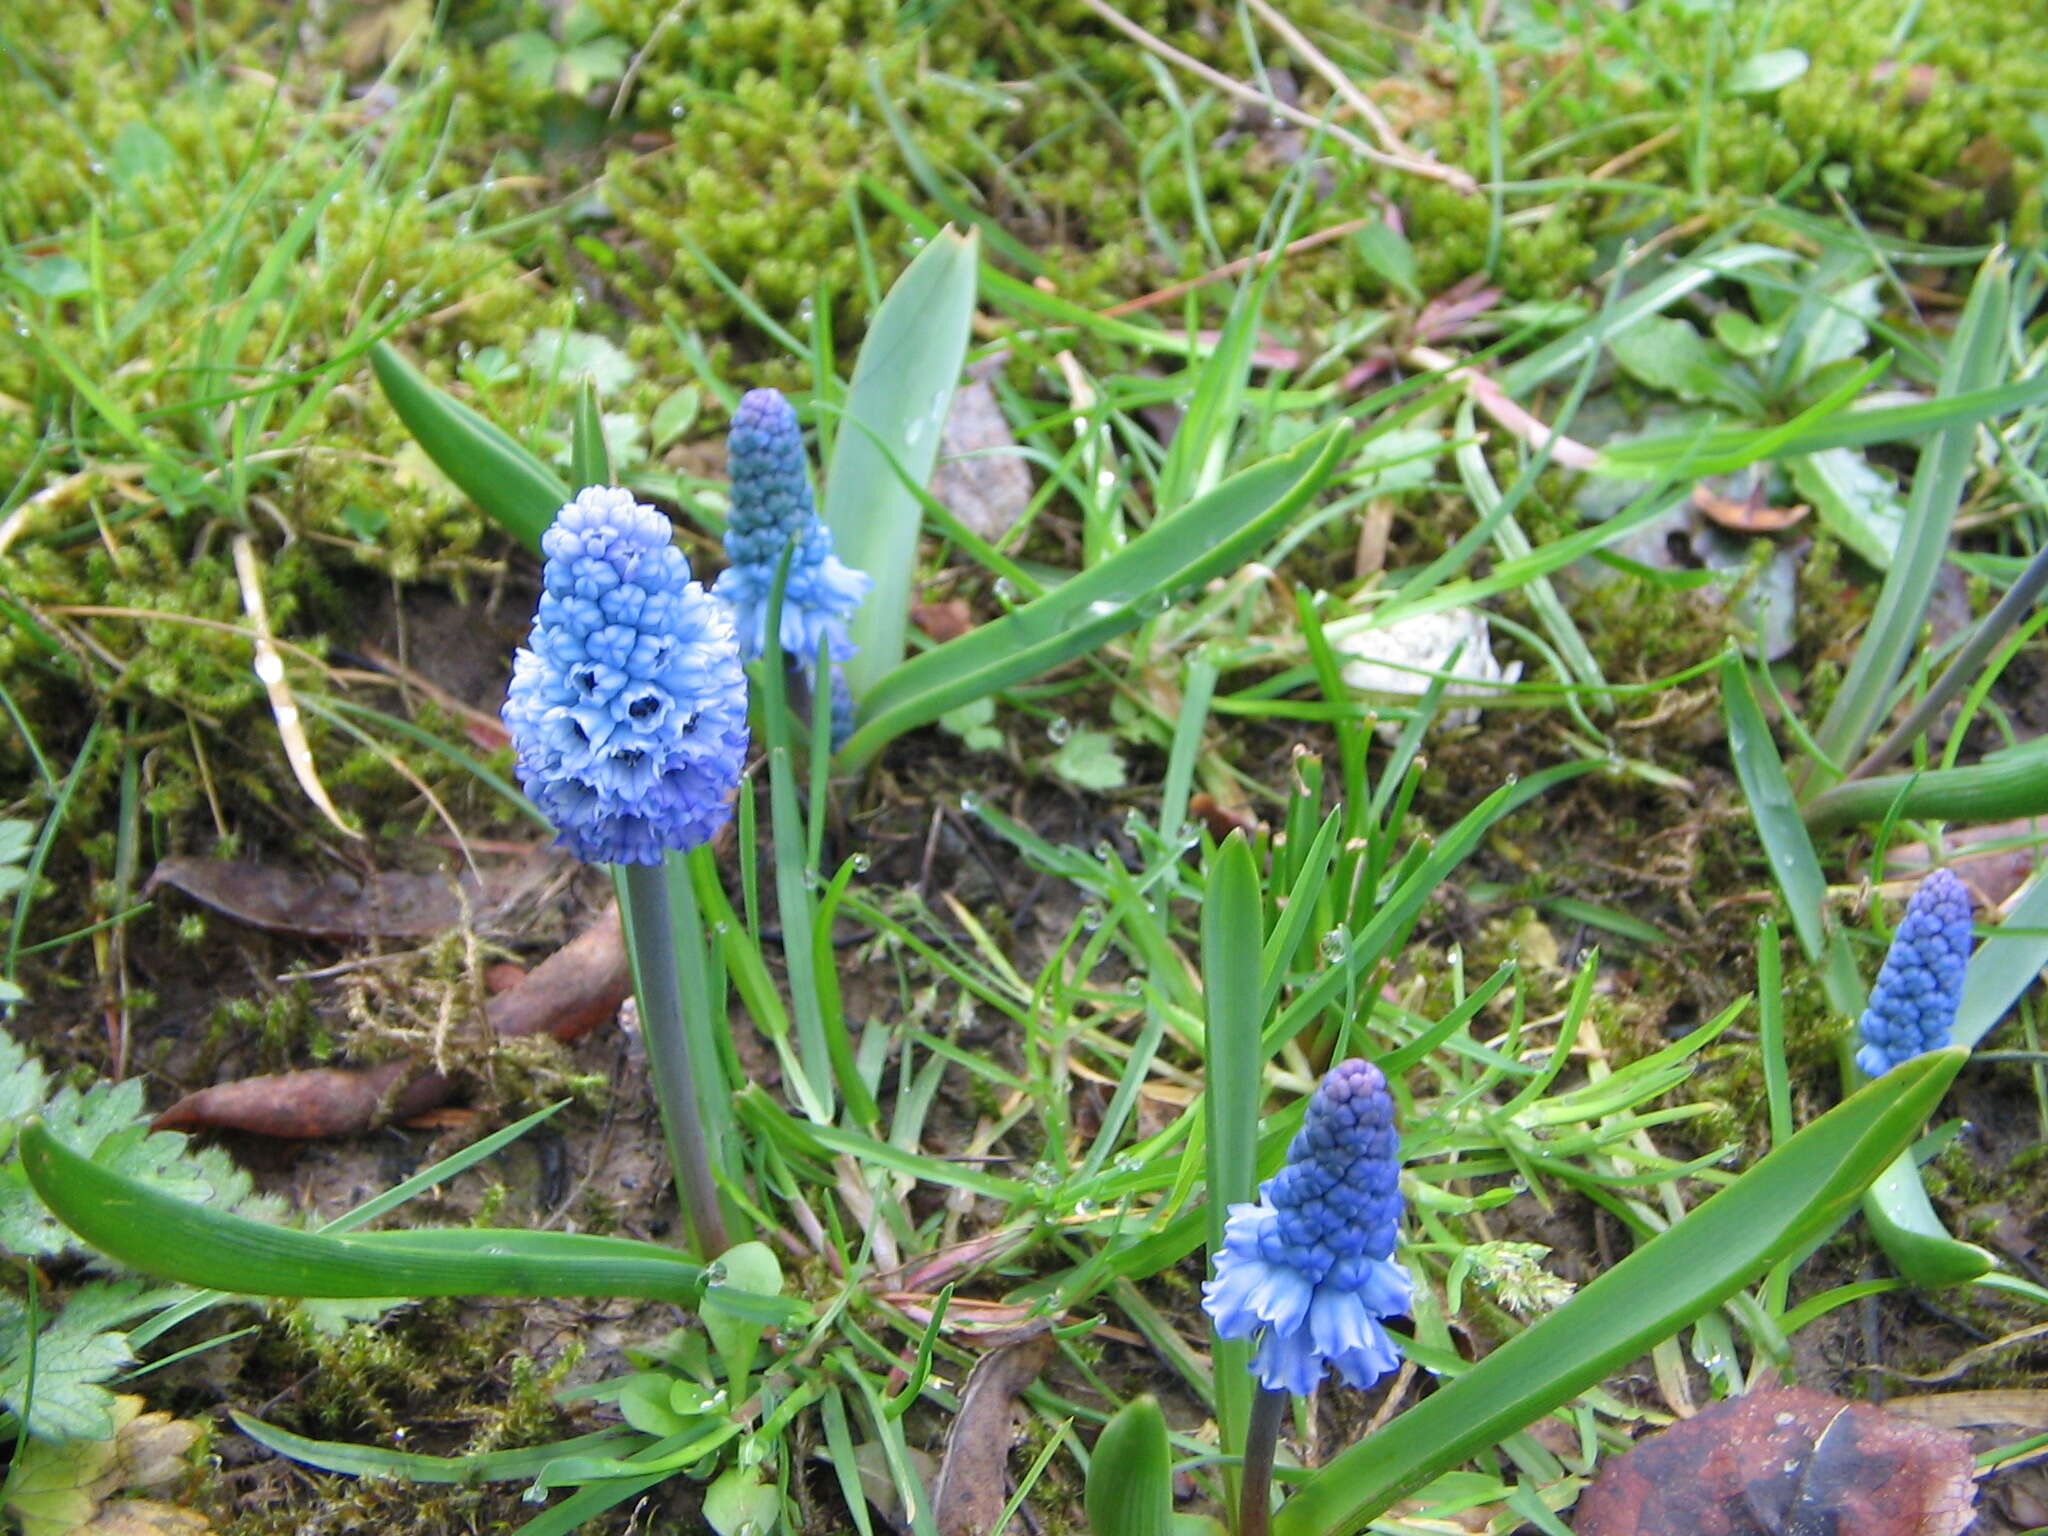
(644, 902)
(1255, 1501)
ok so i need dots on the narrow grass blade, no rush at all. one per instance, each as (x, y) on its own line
(1975, 355)
(590, 461)
(493, 470)
(902, 388)
(1731, 447)
(1794, 865)
(158, 1234)
(1218, 533)
(1796, 1193)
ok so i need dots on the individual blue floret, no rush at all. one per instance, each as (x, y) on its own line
(1913, 1006)
(1308, 1268)
(628, 705)
(771, 511)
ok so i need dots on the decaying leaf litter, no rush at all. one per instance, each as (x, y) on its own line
(153, 731)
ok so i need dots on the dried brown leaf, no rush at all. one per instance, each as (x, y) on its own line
(1780, 1463)
(973, 1481)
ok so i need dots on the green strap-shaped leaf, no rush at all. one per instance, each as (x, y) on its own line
(1902, 1219)
(1130, 1479)
(1775, 809)
(466, 1471)
(158, 1234)
(1214, 534)
(902, 389)
(1794, 1195)
(493, 470)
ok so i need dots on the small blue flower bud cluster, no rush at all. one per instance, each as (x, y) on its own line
(1913, 1006)
(628, 706)
(1308, 1268)
(771, 510)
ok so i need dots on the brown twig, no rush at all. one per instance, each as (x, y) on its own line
(1239, 91)
(1367, 109)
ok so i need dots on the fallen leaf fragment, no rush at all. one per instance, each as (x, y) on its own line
(385, 905)
(144, 1517)
(67, 1487)
(973, 1482)
(943, 621)
(1752, 515)
(980, 477)
(1221, 819)
(1786, 1462)
(567, 995)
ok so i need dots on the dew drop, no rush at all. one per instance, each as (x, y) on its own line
(861, 863)
(1059, 729)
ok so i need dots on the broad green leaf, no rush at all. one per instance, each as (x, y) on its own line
(1178, 553)
(78, 1348)
(1130, 1477)
(896, 408)
(750, 1268)
(1669, 354)
(158, 1234)
(580, 354)
(493, 470)
(1090, 760)
(1858, 502)
(1762, 73)
(739, 1503)
(1794, 1195)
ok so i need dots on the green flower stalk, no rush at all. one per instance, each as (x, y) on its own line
(628, 716)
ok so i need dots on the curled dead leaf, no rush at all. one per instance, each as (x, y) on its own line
(973, 1482)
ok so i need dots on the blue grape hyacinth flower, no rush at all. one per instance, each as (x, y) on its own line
(1913, 1006)
(628, 705)
(772, 509)
(1308, 1268)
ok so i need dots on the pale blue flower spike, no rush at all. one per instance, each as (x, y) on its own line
(1307, 1270)
(628, 705)
(772, 508)
(1913, 1006)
